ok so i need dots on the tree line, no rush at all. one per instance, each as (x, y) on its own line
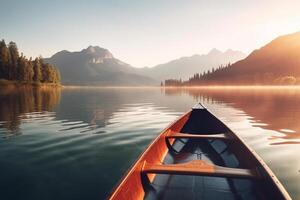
(200, 78)
(16, 67)
(233, 75)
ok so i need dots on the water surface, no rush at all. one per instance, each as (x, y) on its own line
(77, 143)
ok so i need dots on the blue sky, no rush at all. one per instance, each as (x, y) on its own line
(145, 33)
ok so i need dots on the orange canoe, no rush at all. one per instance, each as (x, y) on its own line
(198, 157)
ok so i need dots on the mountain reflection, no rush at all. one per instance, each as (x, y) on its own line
(271, 108)
(16, 103)
(92, 109)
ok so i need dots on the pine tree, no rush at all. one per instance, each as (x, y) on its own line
(14, 53)
(37, 69)
(16, 67)
(21, 69)
(29, 71)
(4, 60)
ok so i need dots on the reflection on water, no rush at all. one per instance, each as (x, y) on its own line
(77, 143)
(16, 104)
(266, 118)
(273, 109)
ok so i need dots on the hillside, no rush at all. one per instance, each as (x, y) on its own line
(278, 62)
(279, 58)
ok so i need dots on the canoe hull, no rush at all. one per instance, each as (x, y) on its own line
(137, 185)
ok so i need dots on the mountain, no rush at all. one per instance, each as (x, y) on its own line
(185, 67)
(96, 66)
(278, 62)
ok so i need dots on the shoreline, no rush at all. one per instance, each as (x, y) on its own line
(185, 87)
(16, 84)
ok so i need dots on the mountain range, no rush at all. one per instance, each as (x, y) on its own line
(97, 66)
(185, 67)
(278, 62)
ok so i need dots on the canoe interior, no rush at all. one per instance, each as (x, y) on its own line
(226, 153)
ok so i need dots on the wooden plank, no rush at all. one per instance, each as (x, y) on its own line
(221, 136)
(199, 168)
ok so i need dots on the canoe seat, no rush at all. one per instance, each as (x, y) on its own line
(173, 134)
(198, 168)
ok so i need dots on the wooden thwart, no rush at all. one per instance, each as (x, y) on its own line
(173, 134)
(199, 168)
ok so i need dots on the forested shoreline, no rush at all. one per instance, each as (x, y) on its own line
(17, 69)
(226, 75)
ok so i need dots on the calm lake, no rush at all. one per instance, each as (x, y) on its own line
(77, 143)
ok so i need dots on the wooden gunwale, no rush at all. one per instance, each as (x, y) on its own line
(140, 158)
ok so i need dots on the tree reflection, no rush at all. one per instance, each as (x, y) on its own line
(16, 102)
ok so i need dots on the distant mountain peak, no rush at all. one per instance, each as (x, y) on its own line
(96, 66)
(92, 49)
(97, 52)
(64, 51)
(61, 53)
(214, 52)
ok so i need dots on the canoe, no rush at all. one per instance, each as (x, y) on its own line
(199, 157)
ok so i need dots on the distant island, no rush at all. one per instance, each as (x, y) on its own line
(18, 70)
(277, 63)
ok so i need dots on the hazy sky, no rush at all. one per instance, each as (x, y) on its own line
(145, 33)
